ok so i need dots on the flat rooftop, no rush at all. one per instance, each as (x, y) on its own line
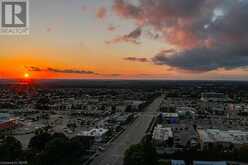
(230, 136)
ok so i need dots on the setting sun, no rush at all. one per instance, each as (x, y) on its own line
(26, 75)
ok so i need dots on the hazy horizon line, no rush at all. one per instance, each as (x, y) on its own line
(119, 79)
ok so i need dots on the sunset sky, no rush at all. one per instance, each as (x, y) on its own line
(131, 39)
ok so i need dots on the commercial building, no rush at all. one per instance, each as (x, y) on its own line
(178, 162)
(225, 139)
(7, 122)
(170, 117)
(98, 134)
(213, 96)
(184, 136)
(161, 134)
(214, 102)
(209, 163)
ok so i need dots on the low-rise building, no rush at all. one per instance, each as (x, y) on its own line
(214, 97)
(209, 163)
(161, 135)
(184, 136)
(170, 117)
(7, 122)
(225, 139)
(178, 162)
(98, 134)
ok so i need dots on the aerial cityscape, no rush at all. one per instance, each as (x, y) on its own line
(111, 122)
(123, 82)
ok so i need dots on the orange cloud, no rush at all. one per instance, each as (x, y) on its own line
(101, 13)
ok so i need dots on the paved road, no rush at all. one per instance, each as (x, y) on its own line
(114, 153)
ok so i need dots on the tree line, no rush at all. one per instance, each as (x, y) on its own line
(46, 149)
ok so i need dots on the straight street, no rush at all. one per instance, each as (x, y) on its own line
(114, 153)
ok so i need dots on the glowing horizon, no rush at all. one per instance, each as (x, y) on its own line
(124, 39)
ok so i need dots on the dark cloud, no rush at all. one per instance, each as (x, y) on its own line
(160, 9)
(208, 34)
(168, 51)
(152, 35)
(33, 68)
(174, 19)
(126, 10)
(132, 37)
(70, 71)
(136, 59)
(204, 59)
(55, 70)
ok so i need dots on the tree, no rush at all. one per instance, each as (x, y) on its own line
(160, 118)
(61, 150)
(42, 103)
(242, 153)
(10, 149)
(38, 142)
(84, 141)
(141, 154)
(149, 151)
(135, 155)
(59, 135)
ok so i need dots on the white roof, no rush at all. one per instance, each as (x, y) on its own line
(162, 133)
(170, 114)
(94, 132)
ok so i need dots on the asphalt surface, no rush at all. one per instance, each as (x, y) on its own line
(114, 153)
